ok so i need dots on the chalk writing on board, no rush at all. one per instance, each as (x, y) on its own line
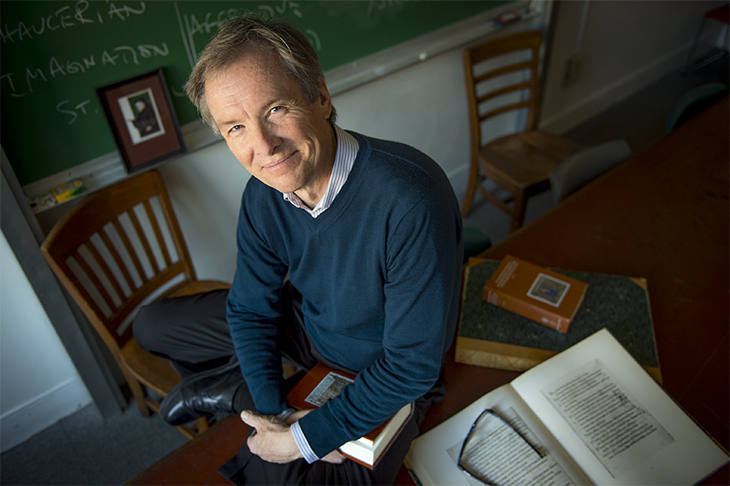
(193, 26)
(67, 17)
(35, 76)
(383, 4)
(313, 39)
(80, 108)
(282, 9)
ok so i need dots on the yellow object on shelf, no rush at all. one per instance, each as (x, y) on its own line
(68, 190)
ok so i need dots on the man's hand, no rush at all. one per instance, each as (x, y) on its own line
(270, 430)
(296, 416)
(272, 439)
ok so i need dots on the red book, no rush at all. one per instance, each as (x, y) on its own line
(547, 297)
(322, 383)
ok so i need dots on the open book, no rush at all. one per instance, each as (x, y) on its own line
(592, 416)
(322, 383)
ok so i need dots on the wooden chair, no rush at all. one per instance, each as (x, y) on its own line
(502, 86)
(115, 250)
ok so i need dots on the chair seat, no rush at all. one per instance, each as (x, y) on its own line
(156, 372)
(521, 161)
(196, 287)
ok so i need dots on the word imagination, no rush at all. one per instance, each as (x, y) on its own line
(25, 82)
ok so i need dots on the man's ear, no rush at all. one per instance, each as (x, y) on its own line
(325, 100)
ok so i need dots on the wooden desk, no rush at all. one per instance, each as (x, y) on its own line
(662, 215)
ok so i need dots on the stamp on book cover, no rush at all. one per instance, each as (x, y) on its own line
(330, 386)
(548, 289)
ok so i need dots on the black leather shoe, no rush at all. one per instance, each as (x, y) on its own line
(207, 393)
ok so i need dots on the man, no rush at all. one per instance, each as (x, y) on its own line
(368, 233)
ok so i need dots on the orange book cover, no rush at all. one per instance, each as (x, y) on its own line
(322, 383)
(532, 291)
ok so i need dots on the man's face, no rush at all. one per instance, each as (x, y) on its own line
(268, 125)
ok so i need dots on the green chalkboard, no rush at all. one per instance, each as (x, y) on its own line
(55, 53)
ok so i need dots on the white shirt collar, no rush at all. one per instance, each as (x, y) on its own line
(345, 155)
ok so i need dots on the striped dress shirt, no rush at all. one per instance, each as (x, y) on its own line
(347, 148)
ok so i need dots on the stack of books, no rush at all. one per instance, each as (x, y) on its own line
(492, 336)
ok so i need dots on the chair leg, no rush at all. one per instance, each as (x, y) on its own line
(471, 187)
(201, 425)
(139, 393)
(518, 212)
(187, 432)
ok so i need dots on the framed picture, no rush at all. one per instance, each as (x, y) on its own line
(142, 119)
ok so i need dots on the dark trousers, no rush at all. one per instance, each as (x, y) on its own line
(193, 333)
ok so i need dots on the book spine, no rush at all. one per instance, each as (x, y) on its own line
(524, 309)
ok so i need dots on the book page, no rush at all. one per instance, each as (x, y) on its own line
(434, 456)
(655, 442)
(611, 422)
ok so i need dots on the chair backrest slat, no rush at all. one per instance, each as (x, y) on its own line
(118, 260)
(142, 236)
(503, 91)
(80, 289)
(96, 281)
(503, 109)
(156, 226)
(501, 71)
(107, 273)
(131, 252)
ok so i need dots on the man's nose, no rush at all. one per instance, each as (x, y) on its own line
(267, 140)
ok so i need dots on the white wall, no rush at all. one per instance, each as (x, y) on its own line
(205, 188)
(40, 384)
(423, 106)
(626, 46)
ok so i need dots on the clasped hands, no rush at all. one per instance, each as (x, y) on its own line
(273, 441)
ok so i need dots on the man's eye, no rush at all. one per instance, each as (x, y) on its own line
(235, 128)
(276, 109)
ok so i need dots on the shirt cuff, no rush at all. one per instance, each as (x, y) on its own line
(302, 444)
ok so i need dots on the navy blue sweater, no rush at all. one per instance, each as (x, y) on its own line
(380, 274)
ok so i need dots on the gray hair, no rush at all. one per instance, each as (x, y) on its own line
(294, 50)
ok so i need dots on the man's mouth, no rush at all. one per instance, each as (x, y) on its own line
(279, 163)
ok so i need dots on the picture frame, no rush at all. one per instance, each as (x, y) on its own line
(142, 119)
